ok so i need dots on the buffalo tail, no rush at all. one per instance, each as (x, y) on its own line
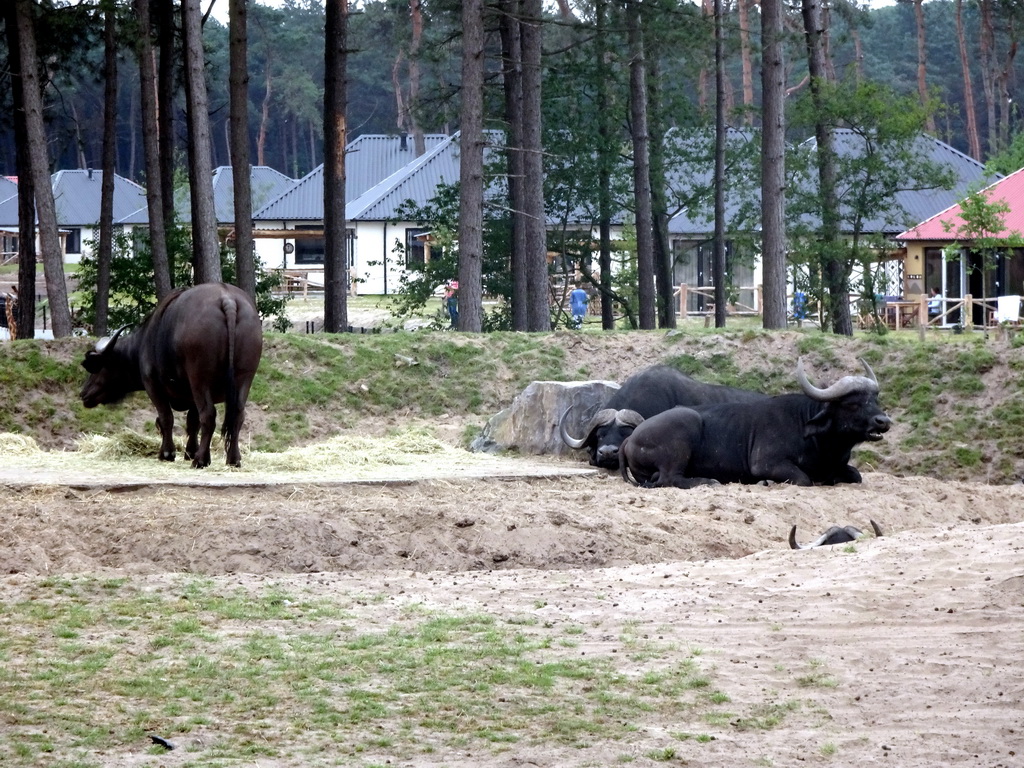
(230, 308)
(624, 467)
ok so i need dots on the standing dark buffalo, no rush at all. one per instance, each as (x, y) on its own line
(643, 395)
(199, 347)
(801, 439)
(833, 535)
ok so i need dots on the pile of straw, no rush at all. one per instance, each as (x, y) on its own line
(12, 444)
(407, 447)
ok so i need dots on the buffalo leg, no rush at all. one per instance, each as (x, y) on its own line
(234, 453)
(782, 472)
(165, 423)
(207, 416)
(191, 433)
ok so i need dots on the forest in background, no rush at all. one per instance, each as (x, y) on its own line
(398, 84)
(602, 109)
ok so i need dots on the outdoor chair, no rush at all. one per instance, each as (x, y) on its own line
(1007, 311)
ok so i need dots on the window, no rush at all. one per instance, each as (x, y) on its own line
(415, 248)
(73, 241)
(309, 250)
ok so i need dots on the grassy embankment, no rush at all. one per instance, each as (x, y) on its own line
(956, 399)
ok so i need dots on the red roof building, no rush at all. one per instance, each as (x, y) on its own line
(942, 225)
(937, 258)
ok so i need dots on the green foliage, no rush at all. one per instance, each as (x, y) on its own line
(885, 128)
(417, 287)
(1010, 159)
(132, 283)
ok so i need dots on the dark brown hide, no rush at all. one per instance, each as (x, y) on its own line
(199, 347)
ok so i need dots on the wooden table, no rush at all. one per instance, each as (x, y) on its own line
(900, 314)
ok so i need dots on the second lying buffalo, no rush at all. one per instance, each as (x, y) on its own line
(801, 439)
(643, 395)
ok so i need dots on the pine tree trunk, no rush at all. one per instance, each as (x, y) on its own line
(773, 165)
(261, 136)
(105, 247)
(663, 259)
(605, 164)
(746, 64)
(25, 310)
(336, 276)
(988, 74)
(832, 265)
(416, 19)
(922, 63)
(205, 247)
(151, 150)
(166, 87)
(538, 311)
(513, 88)
(239, 132)
(718, 263)
(471, 168)
(641, 170)
(39, 165)
(973, 139)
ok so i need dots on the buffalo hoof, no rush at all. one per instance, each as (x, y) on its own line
(166, 455)
(200, 463)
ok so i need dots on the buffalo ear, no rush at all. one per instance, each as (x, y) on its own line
(819, 423)
(93, 362)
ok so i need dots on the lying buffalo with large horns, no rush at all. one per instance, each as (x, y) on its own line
(801, 439)
(199, 347)
(645, 394)
(833, 535)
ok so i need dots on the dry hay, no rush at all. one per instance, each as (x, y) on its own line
(406, 447)
(17, 445)
(129, 457)
(126, 444)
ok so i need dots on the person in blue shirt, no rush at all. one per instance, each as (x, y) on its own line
(578, 301)
(451, 302)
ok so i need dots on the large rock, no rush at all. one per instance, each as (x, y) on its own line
(530, 424)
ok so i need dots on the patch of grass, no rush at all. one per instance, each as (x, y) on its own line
(766, 716)
(309, 385)
(101, 663)
(817, 676)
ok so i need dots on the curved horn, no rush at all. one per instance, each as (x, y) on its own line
(841, 388)
(628, 418)
(604, 416)
(876, 527)
(867, 369)
(109, 342)
(792, 539)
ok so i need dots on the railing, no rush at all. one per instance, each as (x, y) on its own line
(708, 293)
(295, 280)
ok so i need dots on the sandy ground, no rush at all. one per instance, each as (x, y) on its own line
(903, 650)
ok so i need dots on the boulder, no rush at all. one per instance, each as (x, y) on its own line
(530, 424)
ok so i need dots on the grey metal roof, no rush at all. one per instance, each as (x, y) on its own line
(418, 181)
(912, 206)
(908, 206)
(76, 195)
(373, 157)
(265, 184)
(8, 202)
(368, 159)
(690, 176)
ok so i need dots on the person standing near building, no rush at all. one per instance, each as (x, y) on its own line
(451, 302)
(578, 301)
